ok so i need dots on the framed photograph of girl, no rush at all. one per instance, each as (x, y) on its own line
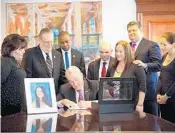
(40, 95)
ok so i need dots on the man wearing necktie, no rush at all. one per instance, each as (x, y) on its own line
(44, 62)
(99, 67)
(71, 56)
(78, 89)
(147, 55)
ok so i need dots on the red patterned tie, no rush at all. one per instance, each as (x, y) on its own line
(133, 46)
(103, 72)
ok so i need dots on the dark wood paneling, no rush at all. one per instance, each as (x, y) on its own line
(156, 16)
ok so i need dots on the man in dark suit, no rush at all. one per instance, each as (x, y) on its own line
(146, 54)
(100, 67)
(71, 56)
(44, 62)
(78, 89)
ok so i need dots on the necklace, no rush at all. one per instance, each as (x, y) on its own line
(118, 72)
(168, 59)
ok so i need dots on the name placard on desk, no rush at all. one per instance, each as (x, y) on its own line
(117, 95)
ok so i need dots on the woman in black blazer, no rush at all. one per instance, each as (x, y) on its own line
(124, 68)
(12, 76)
(166, 85)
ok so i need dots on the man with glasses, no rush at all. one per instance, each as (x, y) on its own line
(71, 56)
(44, 62)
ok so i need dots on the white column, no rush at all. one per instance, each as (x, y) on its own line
(77, 26)
(116, 15)
(3, 21)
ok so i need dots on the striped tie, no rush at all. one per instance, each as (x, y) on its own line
(49, 64)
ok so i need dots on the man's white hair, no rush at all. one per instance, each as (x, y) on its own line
(73, 70)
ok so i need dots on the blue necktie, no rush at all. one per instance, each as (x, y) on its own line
(66, 60)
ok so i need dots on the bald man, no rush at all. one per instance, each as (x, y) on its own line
(100, 67)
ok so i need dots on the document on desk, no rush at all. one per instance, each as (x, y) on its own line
(83, 105)
(78, 108)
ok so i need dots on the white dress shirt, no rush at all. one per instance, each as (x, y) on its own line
(44, 55)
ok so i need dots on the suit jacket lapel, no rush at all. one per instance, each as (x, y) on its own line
(96, 72)
(54, 60)
(110, 64)
(42, 60)
(139, 48)
(86, 91)
(73, 95)
(59, 50)
(72, 57)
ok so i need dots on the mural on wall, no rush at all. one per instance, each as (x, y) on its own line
(83, 20)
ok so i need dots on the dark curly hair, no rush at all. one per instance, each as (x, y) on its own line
(12, 42)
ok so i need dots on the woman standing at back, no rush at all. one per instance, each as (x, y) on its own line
(12, 76)
(166, 85)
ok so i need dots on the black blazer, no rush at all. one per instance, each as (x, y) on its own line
(77, 59)
(94, 66)
(149, 53)
(166, 82)
(90, 91)
(36, 67)
(12, 87)
(133, 71)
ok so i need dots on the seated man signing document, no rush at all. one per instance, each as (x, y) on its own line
(77, 90)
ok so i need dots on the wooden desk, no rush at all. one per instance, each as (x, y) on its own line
(94, 122)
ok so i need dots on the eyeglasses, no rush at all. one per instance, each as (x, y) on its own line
(46, 42)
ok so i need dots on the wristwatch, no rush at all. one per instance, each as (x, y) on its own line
(140, 104)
